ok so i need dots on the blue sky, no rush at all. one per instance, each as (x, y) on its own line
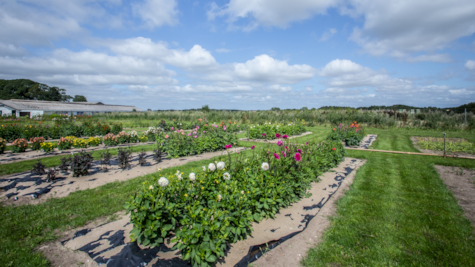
(244, 54)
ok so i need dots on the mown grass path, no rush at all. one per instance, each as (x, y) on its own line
(397, 213)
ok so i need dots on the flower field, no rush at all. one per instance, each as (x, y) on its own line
(205, 209)
(269, 131)
(351, 135)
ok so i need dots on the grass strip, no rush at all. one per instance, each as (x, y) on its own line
(398, 212)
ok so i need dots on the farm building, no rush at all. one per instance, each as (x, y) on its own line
(31, 108)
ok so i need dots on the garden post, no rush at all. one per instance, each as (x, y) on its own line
(444, 145)
(465, 118)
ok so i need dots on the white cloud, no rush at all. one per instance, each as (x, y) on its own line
(470, 65)
(440, 58)
(264, 68)
(327, 35)
(157, 12)
(308, 89)
(401, 27)
(278, 88)
(270, 12)
(462, 92)
(223, 50)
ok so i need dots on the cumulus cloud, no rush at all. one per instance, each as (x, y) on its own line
(440, 58)
(157, 12)
(269, 12)
(470, 65)
(397, 28)
(279, 88)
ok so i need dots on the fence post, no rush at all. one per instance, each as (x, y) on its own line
(465, 118)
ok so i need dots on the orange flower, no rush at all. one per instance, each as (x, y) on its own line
(334, 129)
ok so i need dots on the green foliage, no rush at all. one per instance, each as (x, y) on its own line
(19, 145)
(351, 135)
(79, 98)
(3, 145)
(452, 146)
(203, 211)
(27, 89)
(268, 131)
(200, 140)
(205, 108)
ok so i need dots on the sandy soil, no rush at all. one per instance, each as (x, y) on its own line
(10, 157)
(461, 183)
(110, 243)
(33, 189)
(436, 152)
(275, 140)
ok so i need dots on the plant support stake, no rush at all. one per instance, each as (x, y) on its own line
(444, 146)
(465, 118)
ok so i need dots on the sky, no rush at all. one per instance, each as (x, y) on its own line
(244, 54)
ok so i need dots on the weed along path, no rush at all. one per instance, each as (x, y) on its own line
(27, 188)
(299, 226)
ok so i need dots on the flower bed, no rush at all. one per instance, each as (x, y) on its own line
(451, 146)
(351, 135)
(198, 141)
(11, 132)
(269, 131)
(204, 210)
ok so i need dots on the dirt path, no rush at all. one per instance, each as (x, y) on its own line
(461, 183)
(109, 243)
(33, 189)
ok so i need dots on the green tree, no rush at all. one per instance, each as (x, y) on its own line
(30, 90)
(79, 98)
(205, 108)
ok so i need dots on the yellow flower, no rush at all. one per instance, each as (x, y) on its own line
(186, 195)
(181, 173)
(202, 188)
(159, 169)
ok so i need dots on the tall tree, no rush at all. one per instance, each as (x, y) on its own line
(79, 98)
(30, 90)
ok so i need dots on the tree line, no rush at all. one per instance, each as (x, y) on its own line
(31, 90)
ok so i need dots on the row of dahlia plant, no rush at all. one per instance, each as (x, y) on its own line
(199, 140)
(269, 131)
(205, 210)
(351, 134)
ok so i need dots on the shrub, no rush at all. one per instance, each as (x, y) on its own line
(47, 146)
(133, 137)
(351, 135)
(142, 158)
(79, 143)
(3, 145)
(105, 159)
(36, 142)
(143, 139)
(93, 141)
(157, 154)
(271, 131)
(81, 163)
(38, 168)
(19, 145)
(64, 143)
(51, 174)
(65, 163)
(205, 211)
(110, 139)
(124, 157)
(123, 137)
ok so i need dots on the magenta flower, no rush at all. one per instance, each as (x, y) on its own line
(197, 127)
(298, 149)
(189, 134)
(306, 143)
(265, 135)
(228, 146)
(204, 131)
(252, 147)
(297, 157)
(283, 152)
(276, 156)
(277, 135)
(224, 128)
(280, 143)
(172, 128)
(285, 136)
(196, 136)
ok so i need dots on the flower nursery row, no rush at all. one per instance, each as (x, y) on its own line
(206, 209)
(231, 126)
(269, 131)
(351, 134)
(198, 141)
(11, 132)
(68, 142)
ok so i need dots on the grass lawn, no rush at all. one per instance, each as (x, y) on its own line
(397, 213)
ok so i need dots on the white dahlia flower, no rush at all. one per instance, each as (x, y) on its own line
(226, 176)
(212, 167)
(163, 181)
(265, 166)
(192, 176)
(220, 165)
(219, 197)
(150, 187)
(204, 168)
